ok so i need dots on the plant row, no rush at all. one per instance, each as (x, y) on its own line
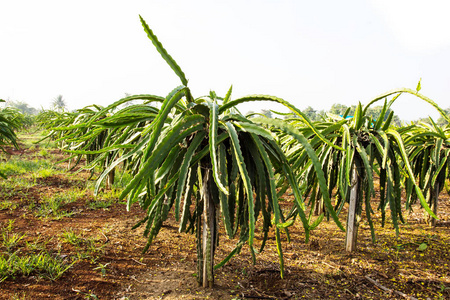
(206, 161)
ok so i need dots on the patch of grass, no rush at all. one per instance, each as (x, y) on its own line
(10, 168)
(17, 166)
(37, 244)
(43, 152)
(70, 237)
(111, 194)
(48, 145)
(8, 204)
(29, 139)
(45, 144)
(12, 184)
(42, 264)
(50, 206)
(100, 203)
(87, 296)
(10, 239)
(104, 200)
(86, 247)
(15, 263)
(44, 173)
(122, 181)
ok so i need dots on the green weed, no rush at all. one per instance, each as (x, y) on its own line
(50, 206)
(104, 199)
(30, 139)
(88, 295)
(44, 173)
(10, 239)
(42, 264)
(123, 181)
(17, 166)
(13, 184)
(86, 248)
(8, 204)
(102, 268)
(37, 245)
(43, 152)
(70, 237)
(100, 203)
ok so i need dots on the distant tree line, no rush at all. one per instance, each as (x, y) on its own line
(440, 122)
(57, 104)
(23, 107)
(340, 109)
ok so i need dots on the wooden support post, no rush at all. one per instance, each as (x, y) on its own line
(319, 207)
(353, 217)
(110, 179)
(434, 205)
(199, 238)
(209, 231)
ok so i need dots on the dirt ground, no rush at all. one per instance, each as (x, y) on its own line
(391, 268)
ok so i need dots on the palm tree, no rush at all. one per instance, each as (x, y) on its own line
(59, 103)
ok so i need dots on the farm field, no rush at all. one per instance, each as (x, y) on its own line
(90, 252)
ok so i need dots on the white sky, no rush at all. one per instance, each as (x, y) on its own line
(311, 53)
